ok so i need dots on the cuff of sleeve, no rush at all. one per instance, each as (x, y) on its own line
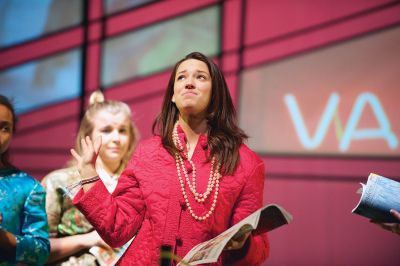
(24, 253)
(250, 254)
(87, 202)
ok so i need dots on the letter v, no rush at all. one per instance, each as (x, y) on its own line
(301, 130)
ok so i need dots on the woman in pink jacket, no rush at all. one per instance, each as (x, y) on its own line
(190, 182)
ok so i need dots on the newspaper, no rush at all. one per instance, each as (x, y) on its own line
(378, 196)
(263, 220)
(109, 257)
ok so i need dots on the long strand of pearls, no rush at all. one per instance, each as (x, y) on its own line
(213, 180)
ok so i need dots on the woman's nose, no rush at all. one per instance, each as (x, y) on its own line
(189, 86)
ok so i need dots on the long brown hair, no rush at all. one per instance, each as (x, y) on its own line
(224, 135)
(97, 103)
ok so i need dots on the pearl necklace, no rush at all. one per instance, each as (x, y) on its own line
(213, 180)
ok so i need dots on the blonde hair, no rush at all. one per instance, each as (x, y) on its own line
(97, 103)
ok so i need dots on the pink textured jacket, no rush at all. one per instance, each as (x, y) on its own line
(148, 202)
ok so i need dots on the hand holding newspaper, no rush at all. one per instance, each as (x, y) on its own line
(378, 196)
(263, 220)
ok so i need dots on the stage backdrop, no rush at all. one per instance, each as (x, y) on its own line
(315, 83)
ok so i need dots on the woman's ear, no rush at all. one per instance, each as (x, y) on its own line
(173, 98)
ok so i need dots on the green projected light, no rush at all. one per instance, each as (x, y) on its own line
(158, 47)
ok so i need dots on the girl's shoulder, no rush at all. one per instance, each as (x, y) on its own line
(20, 179)
(61, 177)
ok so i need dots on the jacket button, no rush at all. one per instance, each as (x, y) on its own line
(179, 240)
(183, 204)
(189, 169)
(204, 145)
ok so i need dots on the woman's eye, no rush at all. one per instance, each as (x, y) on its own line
(123, 131)
(5, 129)
(180, 77)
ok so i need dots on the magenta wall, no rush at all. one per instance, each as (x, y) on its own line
(318, 191)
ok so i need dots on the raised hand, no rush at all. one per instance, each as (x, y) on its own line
(87, 160)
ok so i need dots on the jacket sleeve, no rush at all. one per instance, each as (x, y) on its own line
(256, 249)
(33, 245)
(117, 216)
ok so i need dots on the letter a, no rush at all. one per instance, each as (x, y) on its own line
(382, 132)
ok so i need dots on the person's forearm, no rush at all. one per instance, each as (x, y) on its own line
(8, 245)
(66, 246)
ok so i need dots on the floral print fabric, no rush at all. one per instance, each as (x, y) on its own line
(22, 205)
(64, 218)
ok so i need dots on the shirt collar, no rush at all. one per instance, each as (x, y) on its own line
(203, 139)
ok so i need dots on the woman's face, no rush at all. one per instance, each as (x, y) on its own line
(114, 131)
(192, 88)
(6, 128)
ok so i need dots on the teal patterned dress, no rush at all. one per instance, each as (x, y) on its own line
(22, 205)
